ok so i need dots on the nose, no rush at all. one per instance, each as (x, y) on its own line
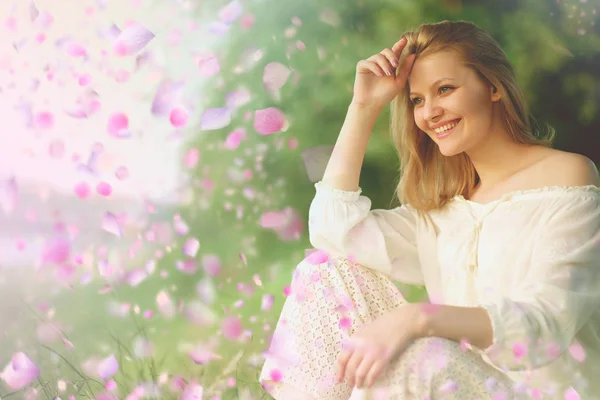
(431, 112)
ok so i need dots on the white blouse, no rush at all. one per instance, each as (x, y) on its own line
(530, 258)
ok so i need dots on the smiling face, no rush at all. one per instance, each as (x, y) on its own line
(443, 91)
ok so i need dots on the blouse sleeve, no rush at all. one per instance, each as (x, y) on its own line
(562, 289)
(343, 224)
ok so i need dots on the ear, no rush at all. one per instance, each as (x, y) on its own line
(495, 94)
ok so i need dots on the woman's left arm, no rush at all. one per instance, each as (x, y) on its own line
(540, 319)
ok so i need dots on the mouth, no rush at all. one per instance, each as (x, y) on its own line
(449, 131)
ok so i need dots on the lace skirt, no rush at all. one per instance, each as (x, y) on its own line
(328, 302)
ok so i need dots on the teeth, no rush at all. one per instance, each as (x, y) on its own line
(446, 127)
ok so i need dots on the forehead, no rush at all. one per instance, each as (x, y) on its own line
(432, 67)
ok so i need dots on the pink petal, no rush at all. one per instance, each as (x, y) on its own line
(191, 158)
(108, 367)
(167, 95)
(118, 125)
(215, 118)
(231, 12)
(165, 304)
(202, 355)
(193, 391)
(56, 250)
(577, 352)
(43, 20)
(143, 348)
(136, 276)
(82, 190)
(132, 39)
(269, 121)
(275, 75)
(178, 117)
(188, 266)
(191, 246)
(232, 327)
(208, 64)
(43, 120)
(267, 302)
(20, 372)
(199, 313)
(317, 257)
(111, 224)
(519, 350)
(75, 49)
(103, 189)
(571, 394)
(9, 195)
(211, 264)
(235, 138)
(238, 98)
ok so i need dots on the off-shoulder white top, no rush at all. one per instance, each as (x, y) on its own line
(530, 258)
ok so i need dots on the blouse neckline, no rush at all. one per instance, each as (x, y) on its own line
(519, 193)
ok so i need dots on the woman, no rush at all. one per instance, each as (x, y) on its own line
(503, 231)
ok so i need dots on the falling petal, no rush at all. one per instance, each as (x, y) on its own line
(82, 190)
(43, 120)
(118, 125)
(191, 158)
(571, 394)
(211, 264)
(286, 223)
(330, 17)
(267, 302)
(143, 348)
(56, 250)
(9, 195)
(235, 138)
(108, 367)
(191, 246)
(577, 352)
(165, 304)
(275, 75)
(193, 391)
(238, 98)
(132, 39)
(317, 257)
(33, 11)
(44, 20)
(519, 350)
(206, 291)
(136, 276)
(231, 12)
(232, 327)
(315, 161)
(208, 64)
(178, 117)
(269, 121)
(20, 372)
(188, 266)
(203, 355)
(111, 224)
(215, 118)
(200, 313)
(167, 95)
(103, 189)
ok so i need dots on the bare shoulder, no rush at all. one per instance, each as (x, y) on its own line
(570, 169)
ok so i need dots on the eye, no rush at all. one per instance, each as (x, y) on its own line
(414, 99)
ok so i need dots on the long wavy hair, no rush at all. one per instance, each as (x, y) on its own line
(428, 179)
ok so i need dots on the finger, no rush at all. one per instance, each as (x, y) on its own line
(402, 74)
(353, 364)
(384, 63)
(399, 46)
(371, 66)
(363, 370)
(374, 372)
(391, 56)
(342, 361)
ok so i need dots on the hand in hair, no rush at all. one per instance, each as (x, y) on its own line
(380, 78)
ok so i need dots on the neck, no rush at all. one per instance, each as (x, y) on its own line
(498, 159)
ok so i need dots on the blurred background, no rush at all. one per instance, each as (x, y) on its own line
(158, 158)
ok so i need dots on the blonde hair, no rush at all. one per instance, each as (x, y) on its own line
(428, 180)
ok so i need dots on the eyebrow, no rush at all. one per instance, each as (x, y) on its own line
(435, 83)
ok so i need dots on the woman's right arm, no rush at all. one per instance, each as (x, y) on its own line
(341, 223)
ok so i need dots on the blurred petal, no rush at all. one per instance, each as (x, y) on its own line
(20, 372)
(215, 118)
(269, 121)
(108, 367)
(275, 75)
(132, 39)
